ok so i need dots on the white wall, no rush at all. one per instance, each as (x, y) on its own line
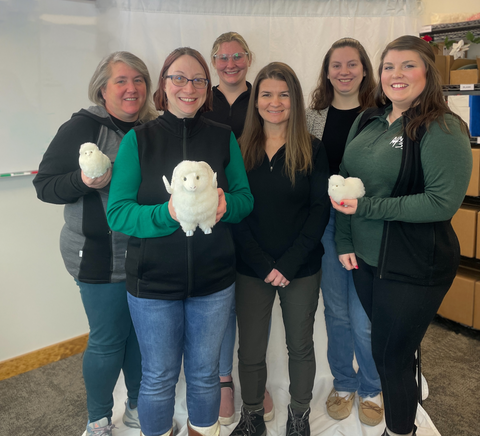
(448, 7)
(39, 302)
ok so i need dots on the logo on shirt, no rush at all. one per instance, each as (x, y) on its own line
(397, 142)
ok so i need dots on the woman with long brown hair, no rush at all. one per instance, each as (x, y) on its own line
(345, 88)
(414, 158)
(278, 244)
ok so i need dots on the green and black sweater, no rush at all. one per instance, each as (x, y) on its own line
(375, 156)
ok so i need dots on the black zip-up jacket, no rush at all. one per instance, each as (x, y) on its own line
(285, 228)
(234, 115)
(92, 253)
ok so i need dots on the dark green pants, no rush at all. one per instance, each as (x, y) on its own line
(254, 302)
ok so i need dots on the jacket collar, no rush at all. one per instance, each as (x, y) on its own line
(177, 125)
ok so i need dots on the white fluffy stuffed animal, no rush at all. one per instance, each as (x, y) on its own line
(194, 195)
(92, 161)
(345, 189)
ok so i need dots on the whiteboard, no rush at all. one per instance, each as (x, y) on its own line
(49, 53)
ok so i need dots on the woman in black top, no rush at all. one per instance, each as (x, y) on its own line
(278, 244)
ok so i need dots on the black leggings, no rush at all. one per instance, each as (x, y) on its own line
(400, 314)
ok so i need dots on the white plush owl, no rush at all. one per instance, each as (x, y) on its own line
(92, 161)
(345, 189)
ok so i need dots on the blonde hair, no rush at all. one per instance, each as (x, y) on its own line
(230, 37)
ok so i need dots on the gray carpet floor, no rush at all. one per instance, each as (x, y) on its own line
(51, 401)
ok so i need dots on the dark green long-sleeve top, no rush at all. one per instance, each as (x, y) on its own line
(375, 156)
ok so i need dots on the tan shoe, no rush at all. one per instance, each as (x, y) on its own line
(268, 407)
(369, 412)
(339, 407)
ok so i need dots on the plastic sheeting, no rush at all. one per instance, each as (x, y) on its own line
(320, 423)
(298, 33)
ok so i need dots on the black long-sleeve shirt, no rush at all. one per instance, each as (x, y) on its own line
(287, 222)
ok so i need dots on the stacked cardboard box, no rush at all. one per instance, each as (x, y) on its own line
(462, 302)
(450, 73)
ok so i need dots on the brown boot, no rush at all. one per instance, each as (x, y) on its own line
(191, 431)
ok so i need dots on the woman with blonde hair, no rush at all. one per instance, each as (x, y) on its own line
(231, 57)
(278, 244)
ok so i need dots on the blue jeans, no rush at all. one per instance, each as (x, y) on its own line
(112, 346)
(167, 330)
(228, 344)
(348, 327)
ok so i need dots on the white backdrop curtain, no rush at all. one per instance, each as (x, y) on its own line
(297, 32)
(51, 47)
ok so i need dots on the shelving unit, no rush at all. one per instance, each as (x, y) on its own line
(456, 90)
(457, 31)
(438, 32)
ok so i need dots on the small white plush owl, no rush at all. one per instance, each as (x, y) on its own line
(92, 161)
(345, 189)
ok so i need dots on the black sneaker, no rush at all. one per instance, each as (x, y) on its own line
(297, 424)
(251, 424)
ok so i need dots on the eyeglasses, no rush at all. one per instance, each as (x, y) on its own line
(238, 58)
(181, 81)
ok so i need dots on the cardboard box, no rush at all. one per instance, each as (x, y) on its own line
(477, 251)
(446, 63)
(464, 77)
(464, 222)
(473, 189)
(458, 304)
(476, 307)
(443, 64)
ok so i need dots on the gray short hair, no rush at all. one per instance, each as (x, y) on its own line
(103, 72)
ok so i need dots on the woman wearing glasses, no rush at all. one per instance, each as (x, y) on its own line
(231, 58)
(180, 288)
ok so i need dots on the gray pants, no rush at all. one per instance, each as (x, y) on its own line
(254, 302)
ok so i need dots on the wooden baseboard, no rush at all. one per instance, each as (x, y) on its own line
(44, 356)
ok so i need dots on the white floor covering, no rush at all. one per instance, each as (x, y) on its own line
(277, 384)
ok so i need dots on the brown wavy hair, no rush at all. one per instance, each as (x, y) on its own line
(430, 105)
(323, 94)
(298, 146)
(160, 97)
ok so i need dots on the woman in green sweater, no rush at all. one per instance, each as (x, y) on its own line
(414, 158)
